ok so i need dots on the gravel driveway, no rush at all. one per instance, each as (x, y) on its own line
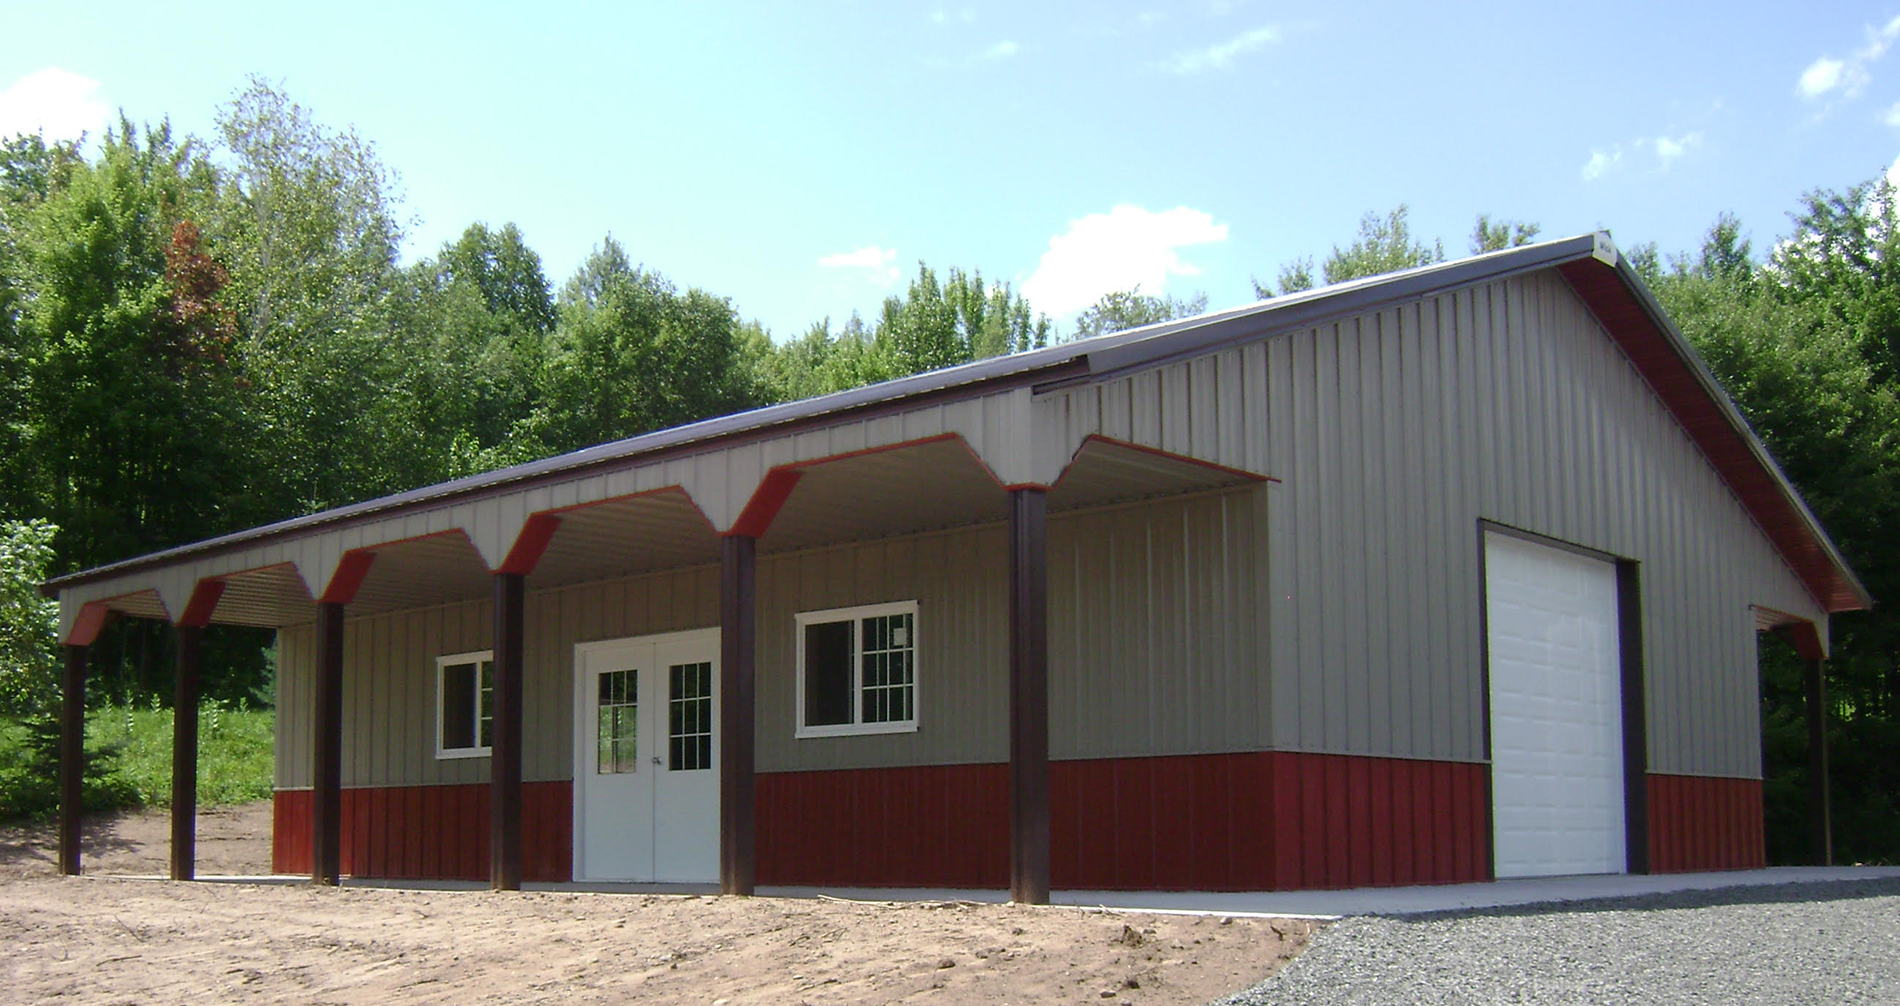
(1793, 943)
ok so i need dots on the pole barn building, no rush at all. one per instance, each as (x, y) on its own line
(1444, 575)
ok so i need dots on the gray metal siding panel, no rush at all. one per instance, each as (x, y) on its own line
(957, 578)
(296, 655)
(1397, 431)
(1157, 647)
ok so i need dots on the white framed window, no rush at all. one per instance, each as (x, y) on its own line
(464, 704)
(857, 670)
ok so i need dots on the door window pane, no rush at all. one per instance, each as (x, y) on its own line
(689, 717)
(619, 704)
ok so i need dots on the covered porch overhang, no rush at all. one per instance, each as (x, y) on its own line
(927, 483)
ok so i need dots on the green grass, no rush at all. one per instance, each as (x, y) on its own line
(129, 761)
(234, 752)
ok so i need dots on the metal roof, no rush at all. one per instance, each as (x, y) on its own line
(1082, 361)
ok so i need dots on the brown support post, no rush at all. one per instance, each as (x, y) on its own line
(72, 756)
(737, 643)
(1820, 801)
(326, 803)
(185, 753)
(1629, 617)
(1028, 696)
(504, 802)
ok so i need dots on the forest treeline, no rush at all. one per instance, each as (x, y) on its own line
(204, 334)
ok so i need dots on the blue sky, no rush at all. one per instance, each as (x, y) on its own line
(801, 159)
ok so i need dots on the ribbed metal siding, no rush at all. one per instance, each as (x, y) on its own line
(1396, 432)
(1156, 646)
(1157, 629)
(389, 676)
(1155, 641)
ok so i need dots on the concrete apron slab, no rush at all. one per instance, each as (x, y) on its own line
(1264, 904)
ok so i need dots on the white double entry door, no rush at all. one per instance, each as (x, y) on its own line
(646, 758)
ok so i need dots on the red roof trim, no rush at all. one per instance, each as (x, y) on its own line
(1729, 449)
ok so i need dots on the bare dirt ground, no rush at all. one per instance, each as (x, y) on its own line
(98, 939)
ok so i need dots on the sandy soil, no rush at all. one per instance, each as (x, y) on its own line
(99, 939)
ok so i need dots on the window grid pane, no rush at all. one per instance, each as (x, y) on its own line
(887, 668)
(618, 730)
(458, 707)
(689, 717)
(485, 710)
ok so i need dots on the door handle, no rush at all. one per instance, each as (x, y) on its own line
(656, 759)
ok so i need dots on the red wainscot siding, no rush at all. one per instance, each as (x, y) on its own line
(428, 832)
(1251, 821)
(1703, 823)
(924, 826)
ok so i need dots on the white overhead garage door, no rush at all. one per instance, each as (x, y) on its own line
(1556, 711)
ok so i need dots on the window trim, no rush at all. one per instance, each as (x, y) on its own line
(442, 663)
(853, 615)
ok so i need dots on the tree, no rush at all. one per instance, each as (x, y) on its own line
(1489, 237)
(27, 170)
(28, 622)
(307, 225)
(1384, 245)
(632, 353)
(1295, 276)
(941, 325)
(475, 322)
(1127, 309)
(131, 366)
(1806, 343)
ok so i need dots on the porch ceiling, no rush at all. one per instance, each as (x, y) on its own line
(939, 484)
(920, 487)
(267, 598)
(421, 572)
(1107, 471)
(637, 534)
(144, 604)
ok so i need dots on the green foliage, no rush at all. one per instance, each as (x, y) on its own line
(130, 366)
(1118, 312)
(234, 752)
(1489, 237)
(933, 325)
(1807, 344)
(128, 759)
(29, 769)
(1384, 245)
(28, 622)
(1295, 276)
(633, 353)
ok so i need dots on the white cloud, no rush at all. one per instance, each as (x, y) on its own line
(1119, 250)
(1219, 57)
(1668, 150)
(1849, 76)
(1602, 162)
(55, 102)
(1893, 173)
(1001, 50)
(1821, 76)
(1892, 116)
(879, 264)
